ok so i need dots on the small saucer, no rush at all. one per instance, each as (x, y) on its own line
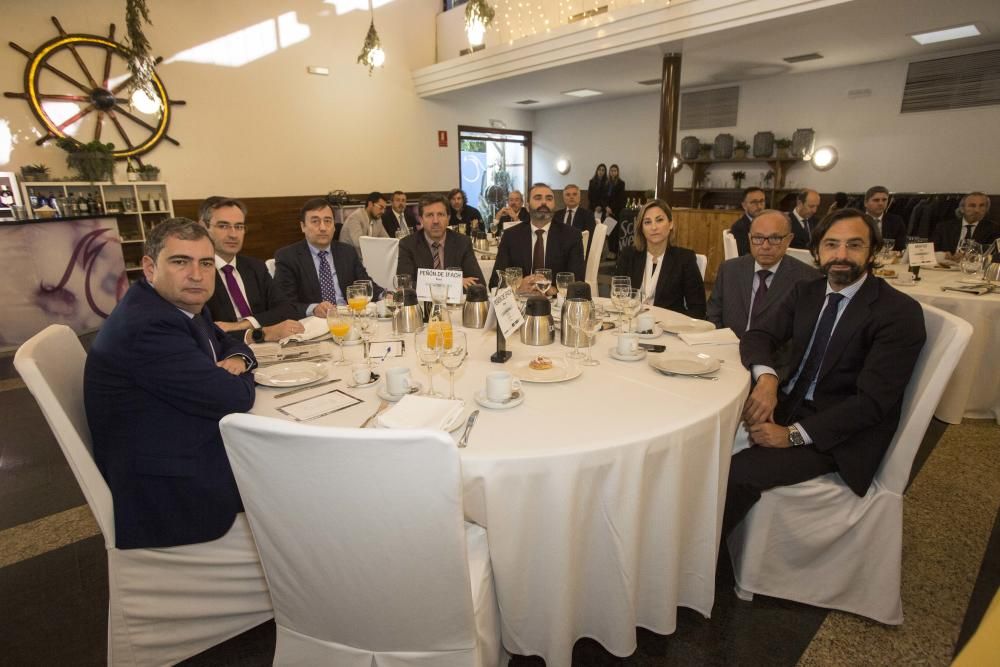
(515, 400)
(375, 378)
(638, 356)
(649, 335)
(392, 398)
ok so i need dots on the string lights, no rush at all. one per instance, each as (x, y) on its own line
(518, 19)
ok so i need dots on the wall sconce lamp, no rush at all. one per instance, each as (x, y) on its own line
(824, 158)
(563, 166)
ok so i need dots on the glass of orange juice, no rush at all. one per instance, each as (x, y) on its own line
(339, 325)
(357, 300)
(429, 340)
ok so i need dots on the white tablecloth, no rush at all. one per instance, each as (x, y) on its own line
(974, 389)
(602, 496)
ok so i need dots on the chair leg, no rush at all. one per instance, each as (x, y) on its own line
(744, 595)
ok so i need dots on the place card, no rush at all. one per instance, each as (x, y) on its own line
(386, 348)
(428, 277)
(319, 406)
(921, 254)
(504, 312)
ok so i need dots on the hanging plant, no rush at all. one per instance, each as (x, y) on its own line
(92, 161)
(478, 16)
(140, 65)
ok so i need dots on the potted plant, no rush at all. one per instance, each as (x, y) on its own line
(784, 147)
(149, 172)
(768, 177)
(35, 172)
(738, 177)
(740, 149)
(92, 161)
(704, 151)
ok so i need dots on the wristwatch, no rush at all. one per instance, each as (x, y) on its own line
(795, 438)
(257, 335)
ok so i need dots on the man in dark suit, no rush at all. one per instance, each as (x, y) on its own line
(461, 212)
(158, 379)
(738, 298)
(576, 216)
(540, 244)
(436, 246)
(398, 217)
(754, 201)
(890, 225)
(803, 217)
(513, 212)
(948, 234)
(245, 304)
(315, 272)
(855, 341)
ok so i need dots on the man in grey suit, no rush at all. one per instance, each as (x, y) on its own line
(739, 297)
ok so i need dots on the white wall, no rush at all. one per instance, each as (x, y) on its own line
(941, 151)
(267, 128)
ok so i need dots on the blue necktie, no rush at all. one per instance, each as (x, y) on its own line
(205, 336)
(327, 285)
(810, 369)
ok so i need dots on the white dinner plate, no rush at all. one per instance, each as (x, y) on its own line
(655, 333)
(292, 374)
(690, 326)
(561, 371)
(515, 400)
(615, 354)
(685, 363)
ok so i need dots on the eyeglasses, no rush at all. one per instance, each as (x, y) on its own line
(225, 226)
(773, 239)
(830, 245)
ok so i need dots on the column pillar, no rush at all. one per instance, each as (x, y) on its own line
(670, 97)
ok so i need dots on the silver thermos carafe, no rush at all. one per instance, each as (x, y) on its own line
(577, 296)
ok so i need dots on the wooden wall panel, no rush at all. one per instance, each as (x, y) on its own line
(701, 230)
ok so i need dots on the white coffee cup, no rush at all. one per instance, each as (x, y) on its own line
(628, 344)
(644, 322)
(905, 278)
(361, 373)
(500, 385)
(397, 381)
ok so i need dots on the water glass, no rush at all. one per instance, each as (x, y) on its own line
(454, 356)
(563, 280)
(591, 325)
(543, 279)
(576, 313)
(514, 275)
(429, 347)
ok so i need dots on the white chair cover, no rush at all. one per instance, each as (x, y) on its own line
(702, 261)
(165, 604)
(363, 543)
(818, 543)
(729, 246)
(802, 255)
(380, 256)
(594, 258)
(270, 266)
(586, 237)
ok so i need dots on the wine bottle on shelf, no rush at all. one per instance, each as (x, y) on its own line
(131, 172)
(98, 206)
(82, 205)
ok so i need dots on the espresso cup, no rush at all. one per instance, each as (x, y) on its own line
(644, 322)
(500, 386)
(380, 309)
(905, 278)
(628, 345)
(397, 381)
(361, 373)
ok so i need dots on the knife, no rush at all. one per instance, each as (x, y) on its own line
(464, 440)
(306, 388)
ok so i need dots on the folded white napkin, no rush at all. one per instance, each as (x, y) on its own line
(414, 411)
(314, 328)
(716, 337)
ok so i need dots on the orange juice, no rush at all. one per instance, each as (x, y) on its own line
(357, 303)
(442, 328)
(340, 329)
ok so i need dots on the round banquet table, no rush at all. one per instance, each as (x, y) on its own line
(602, 496)
(974, 388)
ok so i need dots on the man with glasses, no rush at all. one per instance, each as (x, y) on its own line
(855, 341)
(754, 201)
(246, 303)
(748, 288)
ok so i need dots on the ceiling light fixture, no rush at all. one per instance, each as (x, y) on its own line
(824, 158)
(371, 55)
(478, 16)
(582, 92)
(946, 34)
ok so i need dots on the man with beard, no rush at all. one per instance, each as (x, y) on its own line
(855, 341)
(949, 234)
(754, 201)
(540, 244)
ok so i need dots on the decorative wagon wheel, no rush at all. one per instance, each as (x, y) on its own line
(46, 79)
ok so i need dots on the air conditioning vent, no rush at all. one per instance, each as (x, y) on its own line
(526, 102)
(803, 58)
(650, 82)
(717, 107)
(958, 82)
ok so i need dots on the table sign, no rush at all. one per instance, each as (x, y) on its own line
(386, 348)
(503, 306)
(921, 254)
(427, 277)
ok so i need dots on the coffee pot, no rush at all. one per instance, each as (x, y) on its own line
(576, 293)
(410, 317)
(538, 328)
(476, 307)
(481, 242)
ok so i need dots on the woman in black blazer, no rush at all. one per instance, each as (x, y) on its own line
(651, 260)
(597, 190)
(616, 192)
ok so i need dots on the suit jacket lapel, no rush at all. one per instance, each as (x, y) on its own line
(309, 275)
(552, 245)
(856, 313)
(806, 319)
(250, 287)
(221, 303)
(745, 286)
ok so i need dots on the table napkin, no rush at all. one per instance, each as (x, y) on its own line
(414, 411)
(717, 337)
(978, 290)
(314, 328)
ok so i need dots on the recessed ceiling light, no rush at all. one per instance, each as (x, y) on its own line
(946, 34)
(526, 102)
(582, 92)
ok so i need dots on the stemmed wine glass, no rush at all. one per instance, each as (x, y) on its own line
(563, 280)
(621, 286)
(576, 311)
(339, 326)
(514, 275)
(972, 259)
(453, 356)
(430, 344)
(631, 305)
(393, 300)
(591, 325)
(543, 278)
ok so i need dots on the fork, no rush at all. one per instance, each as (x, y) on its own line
(381, 408)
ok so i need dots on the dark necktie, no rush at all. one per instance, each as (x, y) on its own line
(242, 307)
(810, 369)
(538, 259)
(326, 287)
(968, 232)
(204, 334)
(436, 249)
(569, 218)
(758, 298)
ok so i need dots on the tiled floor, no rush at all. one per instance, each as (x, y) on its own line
(53, 589)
